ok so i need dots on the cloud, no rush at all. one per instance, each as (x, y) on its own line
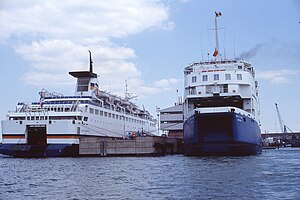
(56, 36)
(46, 79)
(166, 84)
(79, 20)
(277, 76)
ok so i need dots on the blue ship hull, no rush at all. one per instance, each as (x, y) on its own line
(35, 151)
(217, 134)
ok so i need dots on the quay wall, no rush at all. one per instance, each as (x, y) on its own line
(138, 146)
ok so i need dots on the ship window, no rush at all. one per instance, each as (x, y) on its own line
(204, 78)
(82, 85)
(194, 79)
(192, 91)
(240, 67)
(113, 116)
(97, 112)
(227, 76)
(91, 110)
(101, 113)
(216, 77)
(105, 114)
(85, 119)
(225, 88)
(109, 114)
(239, 76)
(117, 116)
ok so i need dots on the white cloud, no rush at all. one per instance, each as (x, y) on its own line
(80, 20)
(277, 76)
(166, 84)
(46, 79)
(55, 36)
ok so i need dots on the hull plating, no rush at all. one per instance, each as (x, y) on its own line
(31, 151)
(221, 134)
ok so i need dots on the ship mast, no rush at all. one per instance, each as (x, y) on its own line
(91, 62)
(217, 49)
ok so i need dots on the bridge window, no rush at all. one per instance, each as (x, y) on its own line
(239, 76)
(91, 110)
(82, 85)
(216, 77)
(227, 76)
(194, 79)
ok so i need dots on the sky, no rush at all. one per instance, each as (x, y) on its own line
(148, 43)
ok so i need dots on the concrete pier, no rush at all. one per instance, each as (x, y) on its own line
(138, 146)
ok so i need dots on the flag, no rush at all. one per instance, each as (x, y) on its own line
(218, 14)
(215, 53)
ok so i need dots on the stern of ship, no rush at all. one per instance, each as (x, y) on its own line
(224, 133)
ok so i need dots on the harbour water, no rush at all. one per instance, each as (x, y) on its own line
(275, 174)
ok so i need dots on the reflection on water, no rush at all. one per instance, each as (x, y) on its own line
(275, 174)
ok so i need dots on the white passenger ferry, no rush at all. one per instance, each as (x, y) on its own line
(53, 125)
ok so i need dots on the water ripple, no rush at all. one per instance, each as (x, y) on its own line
(271, 175)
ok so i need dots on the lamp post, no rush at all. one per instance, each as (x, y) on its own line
(157, 114)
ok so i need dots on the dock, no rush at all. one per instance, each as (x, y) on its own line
(137, 146)
(282, 139)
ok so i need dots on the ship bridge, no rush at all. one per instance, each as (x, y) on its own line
(87, 82)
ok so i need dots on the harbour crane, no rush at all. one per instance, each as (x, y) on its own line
(282, 125)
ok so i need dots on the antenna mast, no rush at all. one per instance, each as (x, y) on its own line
(126, 90)
(217, 50)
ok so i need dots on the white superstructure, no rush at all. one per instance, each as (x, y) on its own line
(230, 82)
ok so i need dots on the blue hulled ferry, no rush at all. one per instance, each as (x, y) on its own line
(221, 107)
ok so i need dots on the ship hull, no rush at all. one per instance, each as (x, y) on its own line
(218, 134)
(35, 151)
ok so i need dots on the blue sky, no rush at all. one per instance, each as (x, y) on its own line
(148, 43)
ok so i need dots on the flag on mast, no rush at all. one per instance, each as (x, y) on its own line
(215, 53)
(218, 14)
